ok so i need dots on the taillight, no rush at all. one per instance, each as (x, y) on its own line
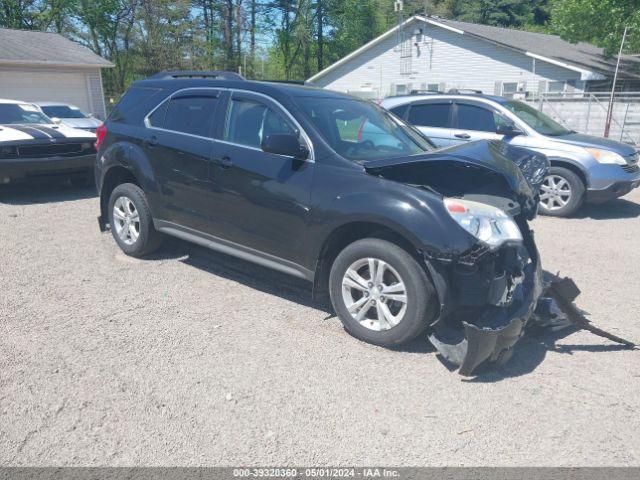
(101, 131)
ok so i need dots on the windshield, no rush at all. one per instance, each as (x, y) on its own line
(536, 119)
(362, 131)
(21, 113)
(63, 111)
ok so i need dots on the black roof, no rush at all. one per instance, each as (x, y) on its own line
(275, 89)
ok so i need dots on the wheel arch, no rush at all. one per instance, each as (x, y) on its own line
(346, 234)
(572, 166)
(114, 176)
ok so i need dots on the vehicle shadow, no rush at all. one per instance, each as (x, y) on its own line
(531, 351)
(44, 192)
(251, 275)
(615, 209)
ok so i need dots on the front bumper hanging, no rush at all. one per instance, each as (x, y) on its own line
(491, 337)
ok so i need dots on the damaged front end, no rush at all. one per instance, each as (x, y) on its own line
(486, 302)
(488, 292)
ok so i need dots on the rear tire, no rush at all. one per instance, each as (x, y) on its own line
(392, 306)
(562, 193)
(131, 221)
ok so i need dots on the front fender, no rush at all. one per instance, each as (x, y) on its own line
(416, 214)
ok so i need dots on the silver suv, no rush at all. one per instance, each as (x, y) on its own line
(583, 167)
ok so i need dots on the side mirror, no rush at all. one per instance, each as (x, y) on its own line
(285, 144)
(56, 120)
(509, 130)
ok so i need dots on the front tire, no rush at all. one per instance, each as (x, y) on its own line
(381, 293)
(131, 221)
(561, 193)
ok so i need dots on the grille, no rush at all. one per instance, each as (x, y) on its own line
(631, 168)
(50, 150)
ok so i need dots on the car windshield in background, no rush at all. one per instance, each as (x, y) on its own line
(63, 111)
(16, 113)
(361, 131)
(536, 119)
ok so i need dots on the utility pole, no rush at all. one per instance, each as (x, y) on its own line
(607, 125)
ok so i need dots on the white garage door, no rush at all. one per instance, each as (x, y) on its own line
(45, 86)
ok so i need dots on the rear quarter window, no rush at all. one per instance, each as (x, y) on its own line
(400, 111)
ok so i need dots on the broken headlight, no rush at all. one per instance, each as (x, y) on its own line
(488, 224)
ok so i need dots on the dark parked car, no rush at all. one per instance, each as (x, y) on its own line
(405, 239)
(34, 147)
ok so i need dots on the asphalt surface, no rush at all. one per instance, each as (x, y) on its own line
(195, 358)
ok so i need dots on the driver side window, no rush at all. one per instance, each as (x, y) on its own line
(250, 122)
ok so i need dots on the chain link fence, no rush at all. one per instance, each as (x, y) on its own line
(587, 113)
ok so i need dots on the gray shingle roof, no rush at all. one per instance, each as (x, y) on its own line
(580, 54)
(43, 48)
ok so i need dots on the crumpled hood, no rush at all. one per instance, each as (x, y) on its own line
(590, 141)
(523, 170)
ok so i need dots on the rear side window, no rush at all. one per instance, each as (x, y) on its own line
(430, 115)
(192, 115)
(471, 117)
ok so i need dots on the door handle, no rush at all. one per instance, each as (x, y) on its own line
(151, 141)
(224, 162)
(464, 136)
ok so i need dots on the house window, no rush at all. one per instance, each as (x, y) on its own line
(401, 89)
(555, 87)
(509, 88)
(433, 87)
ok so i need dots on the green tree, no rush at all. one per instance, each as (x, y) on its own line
(499, 13)
(600, 22)
(36, 14)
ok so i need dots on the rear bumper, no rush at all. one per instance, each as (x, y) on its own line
(12, 170)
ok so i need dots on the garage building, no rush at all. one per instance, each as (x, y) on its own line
(42, 66)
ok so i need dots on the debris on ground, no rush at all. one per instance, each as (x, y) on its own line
(558, 297)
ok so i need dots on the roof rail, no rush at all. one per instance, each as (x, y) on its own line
(425, 92)
(218, 74)
(291, 82)
(465, 90)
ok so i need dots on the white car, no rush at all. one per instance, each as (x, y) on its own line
(69, 115)
(33, 146)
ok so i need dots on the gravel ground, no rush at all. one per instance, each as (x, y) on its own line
(195, 358)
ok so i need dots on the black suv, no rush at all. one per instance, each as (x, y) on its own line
(403, 237)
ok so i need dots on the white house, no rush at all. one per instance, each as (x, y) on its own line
(430, 53)
(41, 66)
